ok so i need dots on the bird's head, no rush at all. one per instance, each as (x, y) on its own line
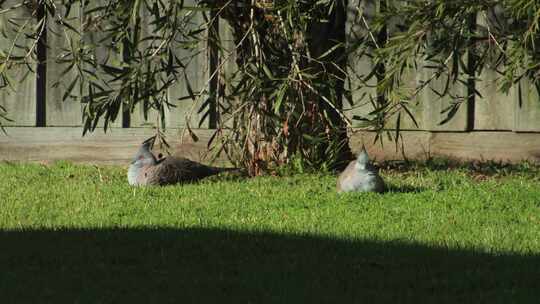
(363, 159)
(144, 156)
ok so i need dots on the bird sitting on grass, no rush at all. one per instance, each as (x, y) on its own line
(145, 169)
(361, 176)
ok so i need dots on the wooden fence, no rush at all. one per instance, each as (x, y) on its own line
(37, 101)
(494, 126)
(518, 111)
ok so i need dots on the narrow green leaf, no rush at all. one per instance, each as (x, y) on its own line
(70, 88)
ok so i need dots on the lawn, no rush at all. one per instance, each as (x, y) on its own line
(80, 234)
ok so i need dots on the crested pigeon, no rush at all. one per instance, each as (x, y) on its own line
(145, 169)
(360, 175)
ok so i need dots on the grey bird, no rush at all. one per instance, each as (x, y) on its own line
(360, 175)
(145, 169)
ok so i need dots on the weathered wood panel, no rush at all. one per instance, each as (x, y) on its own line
(228, 54)
(494, 110)
(118, 146)
(61, 112)
(527, 106)
(467, 146)
(114, 147)
(137, 117)
(362, 87)
(197, 75)
(364, 94)
(410, 81)
(228, 68)
(70, 113)
(434, 107)
(415, 145)
(102, 53)
(521, 111)
(498, 146)
(19, 98)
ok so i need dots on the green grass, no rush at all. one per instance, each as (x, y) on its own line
(80, 234)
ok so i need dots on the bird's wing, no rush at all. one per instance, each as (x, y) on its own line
(345, 176)
(179, 170)
(147, 176)
(372, 181)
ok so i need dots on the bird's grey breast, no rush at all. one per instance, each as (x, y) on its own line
(133, 173)
(354, 178)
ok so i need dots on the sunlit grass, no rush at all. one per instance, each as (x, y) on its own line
(439, 208)
(80, 234)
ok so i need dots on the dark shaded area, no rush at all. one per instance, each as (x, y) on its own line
(488, 167)
(325, 37)
(218, 266)
(41, 72)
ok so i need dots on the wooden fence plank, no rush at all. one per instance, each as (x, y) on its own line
(102, 53)
(227, 60)
(494, 110)
(363, 89)
(525, 99)
(415, 146)
(60, 112)
(434, 105)
(497, 146)
(197, 75)
(147, 29)
(117, 146)
(410, 81)
(527, 106)
(20, 99)
(364, 92)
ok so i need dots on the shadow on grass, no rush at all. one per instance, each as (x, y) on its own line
(487, 167)
(219, 266)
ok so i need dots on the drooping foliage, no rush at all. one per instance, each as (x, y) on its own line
(453, 40)
(282, 100)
